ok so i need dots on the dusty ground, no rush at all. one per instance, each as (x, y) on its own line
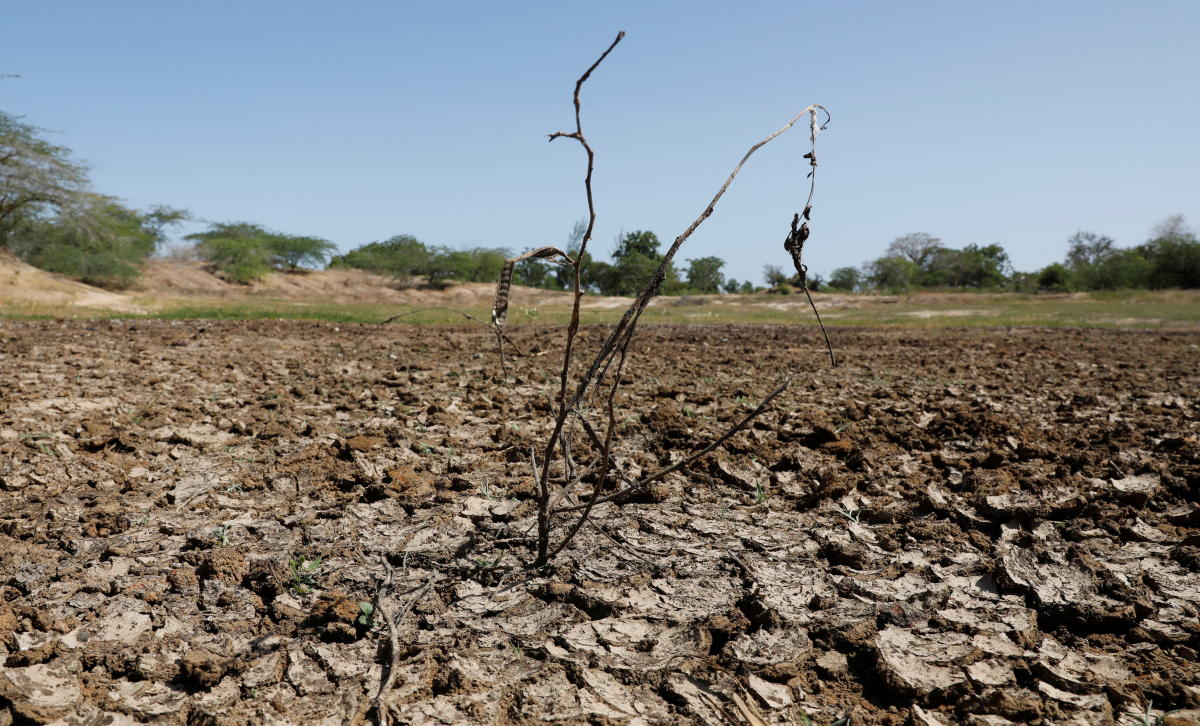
(982, 527)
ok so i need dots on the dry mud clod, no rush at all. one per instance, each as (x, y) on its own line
(956, 526)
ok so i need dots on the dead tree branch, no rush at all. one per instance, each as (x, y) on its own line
(615, 349)
(564, 409)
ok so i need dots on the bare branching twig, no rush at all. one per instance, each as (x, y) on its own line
(614, 351)
(378, 704)
(543, 554)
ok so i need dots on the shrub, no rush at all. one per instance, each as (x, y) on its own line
(100, 243)
(1054, 278)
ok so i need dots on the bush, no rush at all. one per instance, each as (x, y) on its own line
(1054, 278)
(100, 243)
(893, 274)
(845, 278)
(238, 249)
(401, 257)
(246, 252)
(1173, 262)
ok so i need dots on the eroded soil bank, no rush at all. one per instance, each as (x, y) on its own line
(983, 526)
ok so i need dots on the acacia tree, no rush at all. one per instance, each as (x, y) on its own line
(101, 243)
(50, 217)
(918, 248)
(36, 176)
(246, 251)
(293, 251)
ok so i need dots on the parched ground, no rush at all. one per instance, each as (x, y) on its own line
(954, 526)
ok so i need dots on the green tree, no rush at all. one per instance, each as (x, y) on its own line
(892, 273)
(635, 261)
(1088, 249)
(845, 278)
(1174, 255)
(637, 243)
(292, 252)
(630, 273)
(1054, 278)
(101, 243)
(973, 266)
(401, 257)
(238, 249)
(535, 272)
(984, 266)
(1096, 263)
(476, 264)
(731, 286)
(596, 275)
(246, 251)
(51, 218)
(704, 275)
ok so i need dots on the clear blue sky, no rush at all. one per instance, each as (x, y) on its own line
(1012, 122)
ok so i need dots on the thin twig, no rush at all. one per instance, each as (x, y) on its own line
(650, 479)
(623, 332)
(394, 648)
(564, 408)
(616, 346)
(385, 584)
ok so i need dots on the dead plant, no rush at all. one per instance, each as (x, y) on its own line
(615, 349)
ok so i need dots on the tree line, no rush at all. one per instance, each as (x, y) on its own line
(1169, 259)
(51, 217)
(635, 258)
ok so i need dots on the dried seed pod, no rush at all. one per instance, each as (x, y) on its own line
(503, 286)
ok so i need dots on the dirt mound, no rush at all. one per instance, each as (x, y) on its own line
(174, 278)
(163, 281)
(23, 285)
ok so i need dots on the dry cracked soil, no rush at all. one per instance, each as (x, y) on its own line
(212, 522)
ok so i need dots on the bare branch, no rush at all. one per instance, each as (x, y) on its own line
(564, 409)
(616, 346)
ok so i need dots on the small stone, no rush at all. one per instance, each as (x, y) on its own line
(1137, 490)
(335, 606)
(990, 673)
(976, 719)
(773, 695)
(832, 664)
(225, 564)
(183, 580)
(202, 668)
(31, 648)
(921, 717)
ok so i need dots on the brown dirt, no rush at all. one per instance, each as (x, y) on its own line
(173, 278)
(979, 527)
(22, 285)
